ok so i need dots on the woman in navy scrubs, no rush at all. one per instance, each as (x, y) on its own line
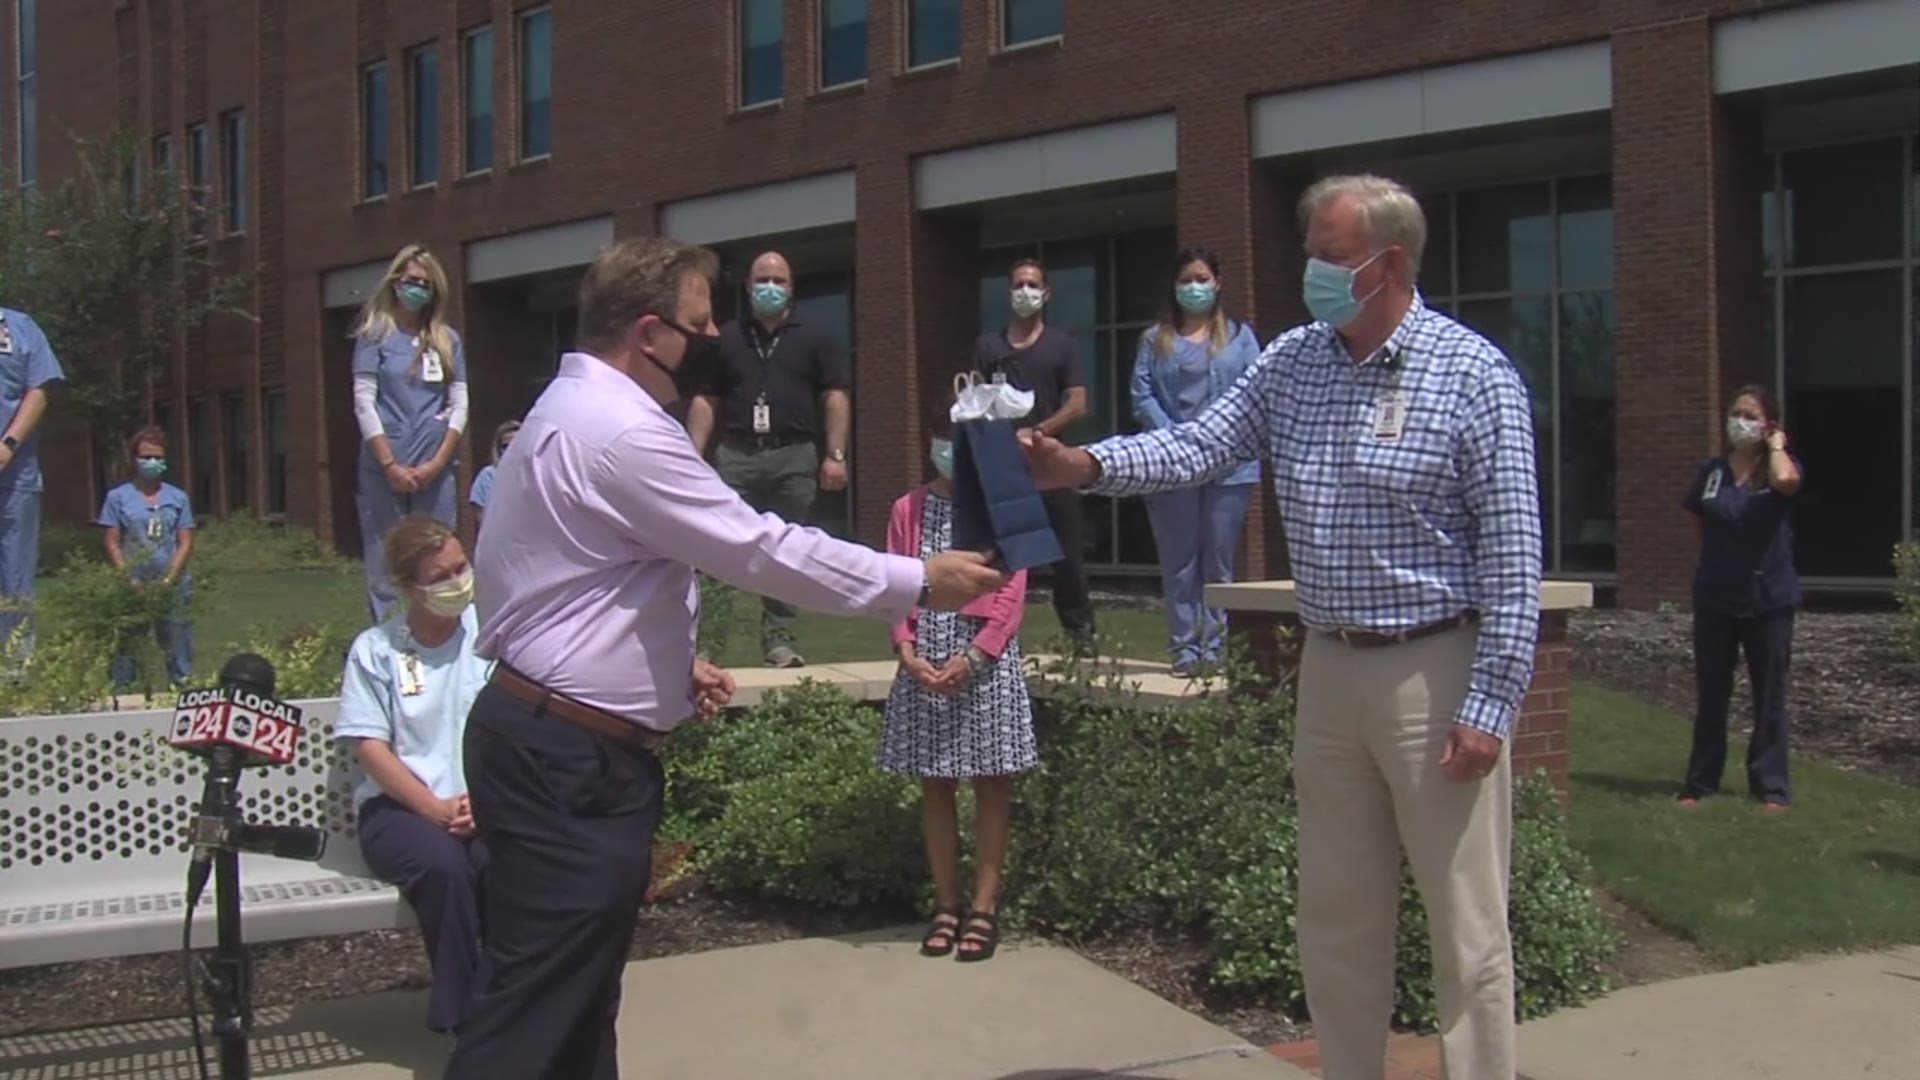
(1744, 594)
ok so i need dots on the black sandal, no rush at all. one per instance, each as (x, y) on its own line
(983, 942)
(931, 942)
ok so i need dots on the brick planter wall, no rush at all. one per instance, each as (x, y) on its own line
(1540, 734)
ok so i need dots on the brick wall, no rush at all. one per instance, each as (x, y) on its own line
(641, 117)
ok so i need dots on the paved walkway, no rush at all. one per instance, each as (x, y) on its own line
(858, 1008)
(867, 1008)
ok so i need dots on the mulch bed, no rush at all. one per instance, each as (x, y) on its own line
(1854, 697)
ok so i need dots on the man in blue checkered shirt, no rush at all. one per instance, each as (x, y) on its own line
(1403, 460)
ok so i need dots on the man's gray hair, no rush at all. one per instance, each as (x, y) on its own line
(1388, 212)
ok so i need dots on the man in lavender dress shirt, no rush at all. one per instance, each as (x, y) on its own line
(587, 601)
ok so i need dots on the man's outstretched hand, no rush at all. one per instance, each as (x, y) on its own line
(959, 577)
(1054, 464)
(712, 689)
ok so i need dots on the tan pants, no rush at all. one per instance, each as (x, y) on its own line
(1371, 728)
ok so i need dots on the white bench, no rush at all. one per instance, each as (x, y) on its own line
(94, 810)
(93, 853)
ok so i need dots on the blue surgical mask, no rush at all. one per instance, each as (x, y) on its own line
(1328, 290)
(152, 468)
(1196, 297)
(415, 297)
(943, 458)
(769, 298)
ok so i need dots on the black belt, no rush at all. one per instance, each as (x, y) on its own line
(578, 713)
(1371, 639)
(746, 440)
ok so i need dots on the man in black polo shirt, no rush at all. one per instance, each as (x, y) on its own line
(781, 384)
(1046, 360)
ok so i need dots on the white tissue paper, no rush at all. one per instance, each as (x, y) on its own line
(990, 401)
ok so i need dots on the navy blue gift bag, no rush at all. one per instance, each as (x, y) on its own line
(995, 505)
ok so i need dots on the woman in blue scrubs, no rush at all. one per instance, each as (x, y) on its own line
(1745, 591)
(410, 400)
(1184, 362)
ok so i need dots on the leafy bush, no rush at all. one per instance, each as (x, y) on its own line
(1135, 815)
(785, 800)
(719, 611)
(1906, 589)
(1560, 939)
(308, 661)
(244, 544)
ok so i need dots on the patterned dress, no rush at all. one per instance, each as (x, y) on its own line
(986, 729)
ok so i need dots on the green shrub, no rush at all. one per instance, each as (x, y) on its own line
(308, 661)
(719, 611)
(1135, 815)
(785, 800)
(1560, 938)
(244, 544)
(1906, 589)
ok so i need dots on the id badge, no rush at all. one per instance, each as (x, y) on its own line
(431, 370)
(762, 418)
(1712, 488)
(6, 339)
(156, 529)
(1389, 416)
(406, 669)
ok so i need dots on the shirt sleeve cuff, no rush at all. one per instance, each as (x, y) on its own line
(1482, 712)
(1106, 483)
(905, 577)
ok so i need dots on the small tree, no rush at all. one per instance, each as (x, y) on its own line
(107, 263)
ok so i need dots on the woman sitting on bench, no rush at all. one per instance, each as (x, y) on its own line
(403, 704)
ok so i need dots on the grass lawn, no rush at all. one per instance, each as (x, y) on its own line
(1841, 871)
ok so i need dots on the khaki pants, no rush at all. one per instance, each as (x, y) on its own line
(1372, 724)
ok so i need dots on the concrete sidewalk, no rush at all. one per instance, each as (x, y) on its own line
(818, 1009)
(1820, 1019)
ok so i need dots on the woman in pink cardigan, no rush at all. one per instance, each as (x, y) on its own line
(958, 711)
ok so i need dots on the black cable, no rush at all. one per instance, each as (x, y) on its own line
(186, 967)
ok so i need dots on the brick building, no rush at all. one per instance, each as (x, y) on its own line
(1645, 201)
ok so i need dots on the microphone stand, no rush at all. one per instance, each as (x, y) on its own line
(228, 978)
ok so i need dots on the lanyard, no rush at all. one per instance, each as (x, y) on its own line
(764, 346)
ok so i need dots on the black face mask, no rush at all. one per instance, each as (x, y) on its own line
(701, 352)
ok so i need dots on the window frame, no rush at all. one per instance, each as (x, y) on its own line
(416, 116)
(198, 188)
(467, 71)
(908, 17)
(521, 19)
(26, 96)
(273, 423)
(741, 104)
(1007, 44)
(375, 151)
(235, 177)
(821, 28)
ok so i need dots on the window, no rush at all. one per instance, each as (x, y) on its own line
(933, 32)
(476, 107)
(273, 414)
(761, 37)
(536, 84)
(233, 422)
(1531, 267)
(423, 115)
(373, 131)
(163, 153)
(1106, 291)
(200, 435)
(197, 180)
(28, 99)
(1839, 280)
(1026, 21)
(233, 160)
(843, 42)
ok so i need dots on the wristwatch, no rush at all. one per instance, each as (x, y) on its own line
(836, 454)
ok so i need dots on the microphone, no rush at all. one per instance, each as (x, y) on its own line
(235, 726)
